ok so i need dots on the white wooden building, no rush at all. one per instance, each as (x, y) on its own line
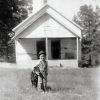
(51, 32)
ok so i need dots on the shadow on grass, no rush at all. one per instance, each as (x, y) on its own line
(49, 88)
(57, 89)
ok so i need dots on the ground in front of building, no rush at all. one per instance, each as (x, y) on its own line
(63, 84)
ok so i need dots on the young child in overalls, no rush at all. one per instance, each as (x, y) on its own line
(42, 73)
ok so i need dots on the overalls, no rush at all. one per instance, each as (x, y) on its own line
(42, 77)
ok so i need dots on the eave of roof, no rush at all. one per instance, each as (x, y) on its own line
(28, 21)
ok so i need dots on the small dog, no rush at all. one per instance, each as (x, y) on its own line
(34, 77)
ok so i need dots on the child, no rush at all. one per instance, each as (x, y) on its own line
(42, 72)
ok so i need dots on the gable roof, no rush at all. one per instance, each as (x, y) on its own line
(71, 26)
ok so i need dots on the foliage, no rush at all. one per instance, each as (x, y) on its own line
(89, 19)
(12, 12)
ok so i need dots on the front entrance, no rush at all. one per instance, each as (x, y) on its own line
(40, 46)
(55, 49)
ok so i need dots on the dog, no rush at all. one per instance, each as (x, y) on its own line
(34, 78)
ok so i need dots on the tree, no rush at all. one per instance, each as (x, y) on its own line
(12, 12)
(89, 19)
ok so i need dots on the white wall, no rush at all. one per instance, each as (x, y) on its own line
(55, 29)
(25, 50)
(46, 26)
(63, 63)
(26, 53)
(43, 27)
(36, 30)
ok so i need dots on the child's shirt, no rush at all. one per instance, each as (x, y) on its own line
(43, 67)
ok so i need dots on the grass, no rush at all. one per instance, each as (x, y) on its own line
(65, 84)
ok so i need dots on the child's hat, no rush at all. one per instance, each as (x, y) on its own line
(41, 52)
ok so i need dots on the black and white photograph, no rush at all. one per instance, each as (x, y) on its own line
(49, 49)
